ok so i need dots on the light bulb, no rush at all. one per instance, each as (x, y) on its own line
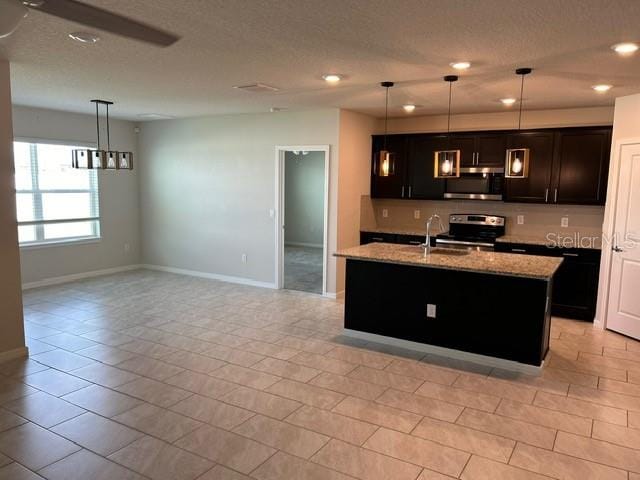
(446, 166)
(516, 167)
(385, 166)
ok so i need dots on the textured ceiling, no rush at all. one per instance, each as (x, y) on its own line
(291, 43)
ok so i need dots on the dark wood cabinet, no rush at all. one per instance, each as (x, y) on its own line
(394, 185)
(575, 284)
(405, 239)
(567, 165)
(491, 150)
(536, 187)
(581, 173)
(420, 167)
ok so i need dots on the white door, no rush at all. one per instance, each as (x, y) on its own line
(624, 289)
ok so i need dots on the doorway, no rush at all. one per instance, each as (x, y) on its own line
(302, 191)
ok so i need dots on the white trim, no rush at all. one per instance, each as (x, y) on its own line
(62, 243)
(608, 228)
(279, 211)
(448, 352)
(211, 276)
(51, 141)
(303, 244)
(19, 352)
(78, 276)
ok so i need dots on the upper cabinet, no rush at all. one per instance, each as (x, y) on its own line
(566, 166)
(536, 187)
(582, 166)
(392, 186)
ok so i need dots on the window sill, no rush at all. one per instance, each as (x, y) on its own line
(61, 243)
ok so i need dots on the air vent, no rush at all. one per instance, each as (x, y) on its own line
(257, 88)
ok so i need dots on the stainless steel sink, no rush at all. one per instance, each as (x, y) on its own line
(454, 252)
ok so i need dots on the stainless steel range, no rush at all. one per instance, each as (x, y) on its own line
(472, 232)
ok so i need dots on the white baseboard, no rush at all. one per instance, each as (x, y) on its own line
(335, 295)
(302, 244)
(20, 352)
(448, 352)
(212, 276)
(78, 276)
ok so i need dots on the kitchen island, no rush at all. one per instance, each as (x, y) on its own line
(488, 307)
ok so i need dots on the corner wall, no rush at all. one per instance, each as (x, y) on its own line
(208, 188)
(11, 324)
(119, 206)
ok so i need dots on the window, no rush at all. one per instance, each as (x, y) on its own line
(55, 202)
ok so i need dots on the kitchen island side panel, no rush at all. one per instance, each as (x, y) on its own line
(501, 316)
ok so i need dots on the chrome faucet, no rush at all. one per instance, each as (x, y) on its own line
(427, 244)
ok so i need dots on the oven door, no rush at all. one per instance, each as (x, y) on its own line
(463, 245)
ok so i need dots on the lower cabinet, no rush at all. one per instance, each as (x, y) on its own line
(575, 284)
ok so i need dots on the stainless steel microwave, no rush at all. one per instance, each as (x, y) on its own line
(476, 183)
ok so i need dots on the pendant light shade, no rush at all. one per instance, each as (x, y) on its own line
(446, 163)
(102, 159)
(384, 162)
(517, 161)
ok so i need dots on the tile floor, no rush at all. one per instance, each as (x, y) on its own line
(152, 375)
(303, 268)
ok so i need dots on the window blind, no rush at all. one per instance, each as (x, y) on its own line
(54, 201)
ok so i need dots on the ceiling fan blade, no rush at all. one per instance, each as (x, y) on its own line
(104, 20)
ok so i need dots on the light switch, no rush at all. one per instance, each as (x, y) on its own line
(385, 213)
(416, 214)
(431, 310)
(520, 219)
(564, 222)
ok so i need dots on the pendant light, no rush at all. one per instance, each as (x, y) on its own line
(384, 163)
(102, 159)
(517, 162)
(446, 163)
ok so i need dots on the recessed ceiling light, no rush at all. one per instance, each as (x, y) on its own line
(332, 77)
(508, 101)
(460, 65)
(409, 107)
(626, 48)
(84, 37)
(277, 109)
(601, 88)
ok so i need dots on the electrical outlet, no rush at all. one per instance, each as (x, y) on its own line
(385, 213)
(272, 213)
(127, 248)
(244, 258)
(416, 214)
(564, 222)
(520, 219)
(431, 310)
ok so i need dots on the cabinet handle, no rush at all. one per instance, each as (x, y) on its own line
(570, 255)
(477, 158)
(546, 196)
(377, 239)
(555, 196)
(402, 191)
(415, 242)
(617, 249)
(519, 250)
(409, 191)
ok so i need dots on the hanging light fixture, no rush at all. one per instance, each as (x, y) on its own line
(384, 163)
(517, 162)
(102, 159)
(446, 163)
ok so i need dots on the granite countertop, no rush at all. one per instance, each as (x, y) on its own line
(571, 240)
(508, 264)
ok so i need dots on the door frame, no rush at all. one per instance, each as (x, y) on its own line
(608, 230)
(279, 211)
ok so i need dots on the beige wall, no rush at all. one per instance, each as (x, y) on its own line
(208, 185)
(501, 120)
(355, 164)
(11, 325)
(119, 209)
